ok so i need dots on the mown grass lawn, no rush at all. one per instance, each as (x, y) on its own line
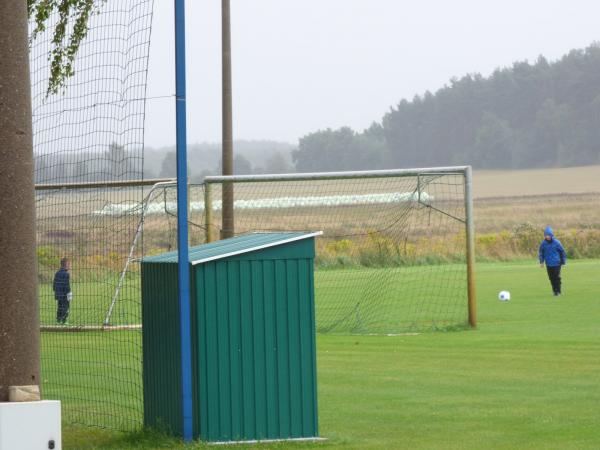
(527, 378)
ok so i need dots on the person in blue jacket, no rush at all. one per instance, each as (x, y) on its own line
(62, 291)
(553, 254)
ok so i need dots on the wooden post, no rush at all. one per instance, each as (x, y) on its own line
(208, 225)
(228, 228)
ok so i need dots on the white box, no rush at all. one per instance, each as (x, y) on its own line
(30, 425)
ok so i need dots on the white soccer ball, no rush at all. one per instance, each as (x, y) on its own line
(504, 296)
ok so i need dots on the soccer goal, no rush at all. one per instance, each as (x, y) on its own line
(396, 255)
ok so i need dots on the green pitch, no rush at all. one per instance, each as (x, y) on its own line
(528, 378)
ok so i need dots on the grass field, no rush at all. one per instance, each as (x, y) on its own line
(354, 299)
(92, 301)
(527, 378)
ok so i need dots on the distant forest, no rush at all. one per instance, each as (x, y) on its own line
(526, 116)
(118, 163)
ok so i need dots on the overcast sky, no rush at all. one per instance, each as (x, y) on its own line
(304, 65)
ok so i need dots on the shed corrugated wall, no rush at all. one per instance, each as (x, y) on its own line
(256, 345)
(254, 353)
(161, 344)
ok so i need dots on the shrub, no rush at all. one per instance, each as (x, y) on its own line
(526, 237)
(47, 256)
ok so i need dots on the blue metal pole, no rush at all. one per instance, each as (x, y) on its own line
(182, 222)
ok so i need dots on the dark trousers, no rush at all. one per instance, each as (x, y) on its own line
(554, 275)
(62, 309)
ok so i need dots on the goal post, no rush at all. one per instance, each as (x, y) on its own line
(394, 239)
(470, 245)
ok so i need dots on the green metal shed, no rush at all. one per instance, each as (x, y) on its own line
(253, 339)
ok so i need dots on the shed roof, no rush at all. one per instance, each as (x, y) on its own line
(225, 248)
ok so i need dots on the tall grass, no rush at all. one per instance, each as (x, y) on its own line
(520, 242)
(378, 250)
(507, 229)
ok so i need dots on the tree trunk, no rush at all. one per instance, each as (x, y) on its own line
(19, 313)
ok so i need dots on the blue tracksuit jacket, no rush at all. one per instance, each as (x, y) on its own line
(61, 285)
(552, 252)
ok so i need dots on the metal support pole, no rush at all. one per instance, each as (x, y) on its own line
(227, 155)
(470, 237)
(208, 212)
(182, 223)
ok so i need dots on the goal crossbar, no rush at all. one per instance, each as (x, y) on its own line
(452, 170)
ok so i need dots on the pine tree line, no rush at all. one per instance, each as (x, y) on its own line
(525, 116)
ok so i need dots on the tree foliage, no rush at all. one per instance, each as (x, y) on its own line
(342, 149)
(70, 29)
(251, 157)
(528, 115)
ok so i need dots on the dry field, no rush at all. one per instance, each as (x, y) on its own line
(516, 183)
(561, 211)
(564, 198)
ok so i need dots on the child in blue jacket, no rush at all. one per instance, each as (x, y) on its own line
(553, 254)
(62, 291)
